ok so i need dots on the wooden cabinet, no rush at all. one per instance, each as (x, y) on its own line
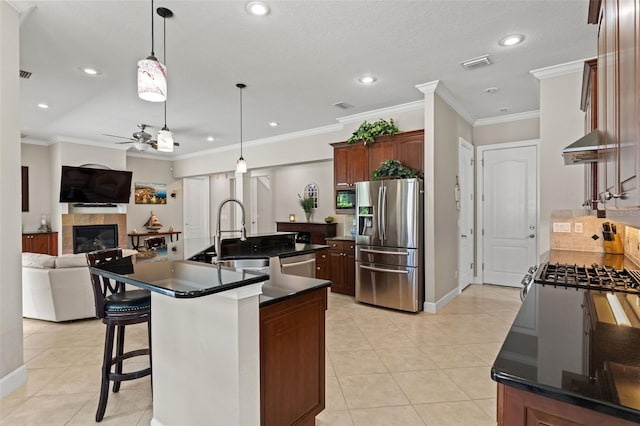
(517, 407)
(322, 265)
(589, 104)
(313, 233)
(292, 360)
(618, 102)
(354, 163)
(40, 242)
(349, 165)
(342, 266)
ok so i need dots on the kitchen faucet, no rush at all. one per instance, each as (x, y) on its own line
(242, 230)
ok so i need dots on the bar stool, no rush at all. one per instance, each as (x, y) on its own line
(117, 308)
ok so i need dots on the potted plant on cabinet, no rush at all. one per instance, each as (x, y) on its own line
(393, 169)
(367, 132)
(307, 204)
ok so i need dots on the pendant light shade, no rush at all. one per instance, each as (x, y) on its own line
(165, 140)
(152, 75)
(241, 164)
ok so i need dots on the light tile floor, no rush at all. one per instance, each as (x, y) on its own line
(383, 367)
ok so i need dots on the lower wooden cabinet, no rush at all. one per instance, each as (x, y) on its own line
(322, 265)
(40, 242)
(292, 360)
(342, 266)
(517, 407)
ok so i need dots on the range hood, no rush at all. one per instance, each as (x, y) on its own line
(584, 150)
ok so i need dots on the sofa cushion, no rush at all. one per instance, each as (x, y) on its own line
(37, 260)
(71, 260)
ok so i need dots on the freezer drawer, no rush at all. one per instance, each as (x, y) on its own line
(396, 287)
(388, 255)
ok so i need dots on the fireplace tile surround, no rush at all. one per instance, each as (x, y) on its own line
(69, 220)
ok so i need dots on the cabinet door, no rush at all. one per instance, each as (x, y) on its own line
(383, 149)
(350, 271)
(628, 101)
(26, 243)
(610, 60)
(322, 265)
(336, 270)
(603, 154)
(410, 150)
(349, 165)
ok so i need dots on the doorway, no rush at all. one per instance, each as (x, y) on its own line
(195, 213)
(507, 211)
(464, 196)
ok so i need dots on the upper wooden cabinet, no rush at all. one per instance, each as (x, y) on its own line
(354, 163)
(618, 102)
(589, 104)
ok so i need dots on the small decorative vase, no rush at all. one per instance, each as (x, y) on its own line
(308, 216)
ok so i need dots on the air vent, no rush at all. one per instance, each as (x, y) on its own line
(343, 105)
(25, 74)
(478, 62)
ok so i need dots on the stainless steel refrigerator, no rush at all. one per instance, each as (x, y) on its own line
(389, 256)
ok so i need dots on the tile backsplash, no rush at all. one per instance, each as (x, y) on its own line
(581, 233)
(632, 244)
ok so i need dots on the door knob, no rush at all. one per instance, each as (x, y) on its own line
(463, 236)
(531, 236)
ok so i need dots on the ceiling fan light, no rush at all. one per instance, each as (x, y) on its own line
(141, 146)
(165, 140)
(241, 166)
(152, 80)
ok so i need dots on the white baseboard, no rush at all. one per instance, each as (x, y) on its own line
(432, 308)
(13, 380)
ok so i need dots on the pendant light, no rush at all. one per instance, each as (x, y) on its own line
(152, 75)
(165, 136)
(241, 165)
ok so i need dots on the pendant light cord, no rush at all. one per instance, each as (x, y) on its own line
(164, 58)
(241, 122)
(152, 44)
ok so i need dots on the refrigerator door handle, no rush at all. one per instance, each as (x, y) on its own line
(398, 253)
(383, 207)
(393, 271)
(379, 213)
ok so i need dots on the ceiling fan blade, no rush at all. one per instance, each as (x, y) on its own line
(120, 143)
(116, 136)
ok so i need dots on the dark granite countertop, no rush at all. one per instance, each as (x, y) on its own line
(342, 238)
(566, 345)
(281, 287)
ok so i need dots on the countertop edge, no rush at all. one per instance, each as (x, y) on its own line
(323, 284)
(565, 396)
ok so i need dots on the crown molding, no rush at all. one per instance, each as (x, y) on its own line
(376, 113)
(558, 70)
(507, 118)
(441, 90)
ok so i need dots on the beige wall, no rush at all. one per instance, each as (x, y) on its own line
(12, 370)
(561, 123)
(510, 131)
(36, 157)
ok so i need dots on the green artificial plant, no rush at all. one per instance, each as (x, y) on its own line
(393, 169)
(306, 203)
(367, 132)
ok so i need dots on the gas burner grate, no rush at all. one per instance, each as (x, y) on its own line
(592, 277)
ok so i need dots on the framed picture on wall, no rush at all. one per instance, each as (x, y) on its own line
(151, 193)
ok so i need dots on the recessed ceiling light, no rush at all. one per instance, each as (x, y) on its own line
(511, 40)
(43, 105)
(274, 124)
(258, 8)
(367, 79)
(210, 138)
(503, 109)
(90, 71)
(491, 90)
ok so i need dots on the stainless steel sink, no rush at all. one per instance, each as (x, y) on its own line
(246, 264)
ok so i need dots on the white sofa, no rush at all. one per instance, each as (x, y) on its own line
(57, 288)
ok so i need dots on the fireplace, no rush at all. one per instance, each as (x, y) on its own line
(88, 238)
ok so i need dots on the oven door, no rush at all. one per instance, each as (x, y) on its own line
(394, 287)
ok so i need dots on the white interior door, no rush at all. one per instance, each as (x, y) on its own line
(196, 214)
(261, 205)
(465, 199)
(509, 213)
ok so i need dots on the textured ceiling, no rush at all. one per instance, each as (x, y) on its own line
(297, 62)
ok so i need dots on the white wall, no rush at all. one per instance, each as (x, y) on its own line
(12, 369)
(36, 157)
(509, 131)
(561, 123)
(154, 171)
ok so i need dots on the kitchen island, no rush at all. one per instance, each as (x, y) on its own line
(567, 360)
(208, 334)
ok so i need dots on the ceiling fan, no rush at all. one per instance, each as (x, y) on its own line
(141, 140)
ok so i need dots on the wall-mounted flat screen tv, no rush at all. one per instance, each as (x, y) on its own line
(85, 185)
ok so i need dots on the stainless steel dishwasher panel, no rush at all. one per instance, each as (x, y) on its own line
(303, 265)
(396, 287)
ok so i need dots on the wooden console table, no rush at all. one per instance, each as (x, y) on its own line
(135, 237)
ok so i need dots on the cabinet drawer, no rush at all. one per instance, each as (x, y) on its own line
(342, 245)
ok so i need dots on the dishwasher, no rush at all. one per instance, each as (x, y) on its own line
(303, 265)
